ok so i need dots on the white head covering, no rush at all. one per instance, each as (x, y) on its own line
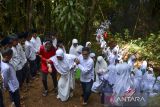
(148, 82)
(87, 43)
(116, 49)
(156, 86)
(72, 49)
(60, 52)
(144, 65)
(79, 48)
(103, 44)
(74, 41)
(158, 78)
(111, 58)
(130, 60)
(101, 65)
(92, 55)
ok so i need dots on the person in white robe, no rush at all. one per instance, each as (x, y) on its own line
(144, 66)
(106, 52)
(79, 50)
(138, 78)
(93, 56)
(124, 86)
(156, 87)
(131, 61)
(88, 44)
(73, 48)
(65, 66)
(100, 70)
(112, 74)
(148, 81)
(112, 58)
(54, 41)
(116, 49)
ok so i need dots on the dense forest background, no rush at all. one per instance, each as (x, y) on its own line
(132, 21)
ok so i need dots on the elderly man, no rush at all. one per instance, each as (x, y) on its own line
(64, 64)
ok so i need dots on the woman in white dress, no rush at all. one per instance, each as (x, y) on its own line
(100, 70)
(73, 48)
(64, 64)
(124, 86)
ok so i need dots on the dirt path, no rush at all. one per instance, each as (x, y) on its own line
(34, 97)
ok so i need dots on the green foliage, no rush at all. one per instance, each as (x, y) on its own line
(148, 47)
(69, 16)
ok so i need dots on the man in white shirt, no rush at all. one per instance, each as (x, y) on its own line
(9, 78)
(30, 55)
(86, 64)
(36, 41)
(16, 58)
(25, 65)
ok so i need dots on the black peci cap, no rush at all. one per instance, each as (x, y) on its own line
(5, 41)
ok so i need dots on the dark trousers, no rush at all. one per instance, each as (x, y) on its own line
(26, 73)
(33, 68)
(38, 62)
(19, 77)
(86, 88)
(54, 79)
(15, 97)
(1, 99)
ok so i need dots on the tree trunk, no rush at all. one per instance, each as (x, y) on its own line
(47, 16)
(87, 29)
(29, 14)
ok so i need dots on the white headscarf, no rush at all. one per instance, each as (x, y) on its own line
(130, 60)
(65, 65)
(60, 53)
(123, 82)
(79, 49)
(116, 49)
(54, 42)
(92, 55)
(156, 86)
(72, 50)
(144, 65)
(88, 43)
(148, 81)
(101, 65)
(112, 59)
(74, 41)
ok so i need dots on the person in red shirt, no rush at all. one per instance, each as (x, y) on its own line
(47, 51)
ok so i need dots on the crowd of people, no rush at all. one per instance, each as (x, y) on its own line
(24, 55)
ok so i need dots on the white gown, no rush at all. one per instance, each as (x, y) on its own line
(138, 80)
(156, 86)
(112, 74)
(148, 82)
(100, 69)
(66, 81)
